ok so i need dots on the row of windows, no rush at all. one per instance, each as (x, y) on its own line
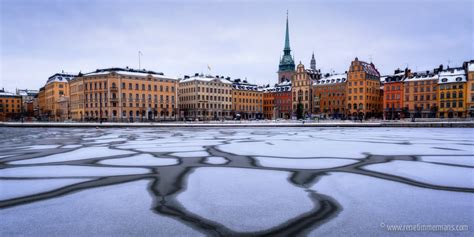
(449, 87)
(421, 97)
(130, 113)
(205, 106)
(98, 86)
(208, 90)
(422, 89)
(451, 104)
(247, 100)
(367, 97)
(131, 105)
(361, 106)
(453, 94)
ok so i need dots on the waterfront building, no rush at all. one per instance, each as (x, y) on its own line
(329, 95)
(29, 101)
(10, 106)
(268, 103)
(363, 90)
(286, 68)
(205, 97)
(56, 87)
(41, 104)
(469, 68)
(301, 92)
(393, 95)
(123, 94)
(282, 104)
(452, 93)
(421, 94)
(247, 100)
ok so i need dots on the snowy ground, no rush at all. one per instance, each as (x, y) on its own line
(235, 181)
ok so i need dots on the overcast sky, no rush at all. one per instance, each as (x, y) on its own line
(240, 39)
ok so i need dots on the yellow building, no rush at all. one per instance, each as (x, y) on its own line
(10, 106)
(247, 100)
(205, 97)
(56, 87)
(452, 93)
(41, 104)
(123, 94)
(364, 94)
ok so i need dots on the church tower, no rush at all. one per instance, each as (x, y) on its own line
(313, 63)
(286, 69)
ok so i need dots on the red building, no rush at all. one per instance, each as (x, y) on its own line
(393, 96)
(280, 94)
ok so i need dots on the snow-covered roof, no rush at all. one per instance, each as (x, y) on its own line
(207, 78)
(4, 93)
(331, 79)
(452, 75)
(470, 66)
(60, 77)
(284, 86)
(129, 72)
(26, 92)
(423, 76)
(369, 68)
(237, 84)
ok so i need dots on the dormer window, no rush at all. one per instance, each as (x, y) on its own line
(458, 79)
(444, 80)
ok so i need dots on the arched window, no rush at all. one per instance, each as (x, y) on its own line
(113, 85)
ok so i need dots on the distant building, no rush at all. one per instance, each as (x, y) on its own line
(452, 93)
(469, 68)
(205, 97)
(10, 106)
(247, 100)
(282, 105)
(268, 104)
(29, 99)
(363, 90)
(420, 94)
(123, 94)
(329, 95)
(56, 86)
(393, 92)
(301, 91)
(286, 69)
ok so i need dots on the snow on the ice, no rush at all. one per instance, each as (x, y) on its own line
(17, 188)
(244, 199)
(79, 154)
(119, 210)
(68, 171)
(191, 154)
(428, 173)
(303, 163)
(369, 203)
(215, 160)
(141, 160)
(457, 160)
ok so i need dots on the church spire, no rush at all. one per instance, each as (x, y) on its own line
(287, 36)
(313, 62)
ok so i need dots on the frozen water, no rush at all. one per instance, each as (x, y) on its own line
(264, 198)
(141, 160)
(428, 173)
(17, 188)
(67, 171)
(215, 160)
(79, 154)
(120, 210)
(371, 203)
(303, 163)
(233, 182)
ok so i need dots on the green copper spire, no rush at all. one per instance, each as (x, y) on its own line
(286, 62)
(287, 36)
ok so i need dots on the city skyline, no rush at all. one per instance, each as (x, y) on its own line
(240, 39)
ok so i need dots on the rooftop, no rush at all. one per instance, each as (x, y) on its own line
(128, 72)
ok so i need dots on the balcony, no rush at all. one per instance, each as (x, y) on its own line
(113, 89)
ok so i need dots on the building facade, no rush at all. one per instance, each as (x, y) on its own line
(10, 106)
(329, 96)
(247, 100)
(268, 104)
(393, 92)
(452, 93)
(123, 94)
(205, 98)
(421, 95)
(56, 87)
(363, 90)
(301, 92)
(469, 68)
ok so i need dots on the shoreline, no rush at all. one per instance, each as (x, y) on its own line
(454, 124)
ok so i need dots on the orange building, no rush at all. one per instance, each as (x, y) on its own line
(41, 104)
(56, 87)
(363, 90)
(123, 94)
(469, 68)
(268, 104)
(247, 100)
(10, 106)
(330, 95)
(421, 94)
(393, 96)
